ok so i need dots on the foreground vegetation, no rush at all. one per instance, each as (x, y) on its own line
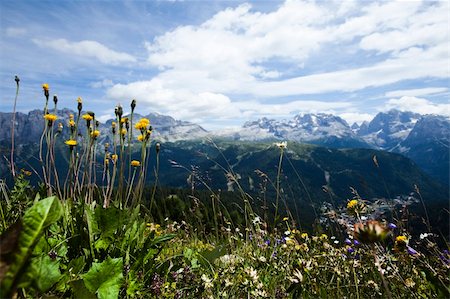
(81, 239)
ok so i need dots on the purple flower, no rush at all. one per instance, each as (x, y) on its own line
(267, 242)
(356, 242)
(350, 250)
(392, 226)
(348, 242)
(411, 250)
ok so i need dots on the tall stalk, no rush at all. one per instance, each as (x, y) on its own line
(282, 147)
(13, 171)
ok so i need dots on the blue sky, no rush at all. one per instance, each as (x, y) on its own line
(221, 63)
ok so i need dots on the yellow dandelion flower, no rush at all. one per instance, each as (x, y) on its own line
(50, 117)
(113, 124)
(285, 218)
(401, 239)
(95, 133)
(135, 163)
(87, 117)
(45, 86)
(323, 236)
(140, 138)
(114, 157)
(145, 121)
(72, 123)
(304, 235)
(71, 116)
(352, 204)
(71, 142)
(124, 120)
(79, 100)
(123, 132)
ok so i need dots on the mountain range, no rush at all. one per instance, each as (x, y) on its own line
(423, 138)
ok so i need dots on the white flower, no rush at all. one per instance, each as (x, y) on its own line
(207, 281)
(281, 145)
(257, 220)
(297, 277)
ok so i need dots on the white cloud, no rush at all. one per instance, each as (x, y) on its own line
(205, 107)
(15, 31)
(240, 51)
(418, 105)
(102, 83)
(416, 92)
(86, 48)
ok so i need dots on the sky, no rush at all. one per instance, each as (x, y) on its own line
(222, 63)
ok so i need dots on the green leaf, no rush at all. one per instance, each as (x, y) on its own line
(41, 215)
(80, 290)
(46, 272)
(105, 279)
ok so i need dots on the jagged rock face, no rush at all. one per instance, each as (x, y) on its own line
(388, 129)
(324, 129)
(428, 145)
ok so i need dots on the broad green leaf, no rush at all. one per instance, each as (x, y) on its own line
(105, 278)
(80, 290)
(46, 272)
(41, 215)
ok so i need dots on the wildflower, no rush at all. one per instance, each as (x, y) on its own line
(370, 232)
(25, 172)
(55, 99)
(304, 236)
(123, 132)
(352, 204)
(285, 219)
(114, 157)
(348, 241)
(72, 123)
(87, 117)
(71, 143)
(71, 116)
(297, 276)
(80, 104)
(323, 237)
(350, 250)
(135, 163)
(142, 124)
(140, 138)
(410, 283)
(118, 111)
(401, 239)
(124, 120)
(411, 250)
(392, 226)
(46, 90)
(95, 134)
(133, 105)
(50, 118)
(281, 145)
